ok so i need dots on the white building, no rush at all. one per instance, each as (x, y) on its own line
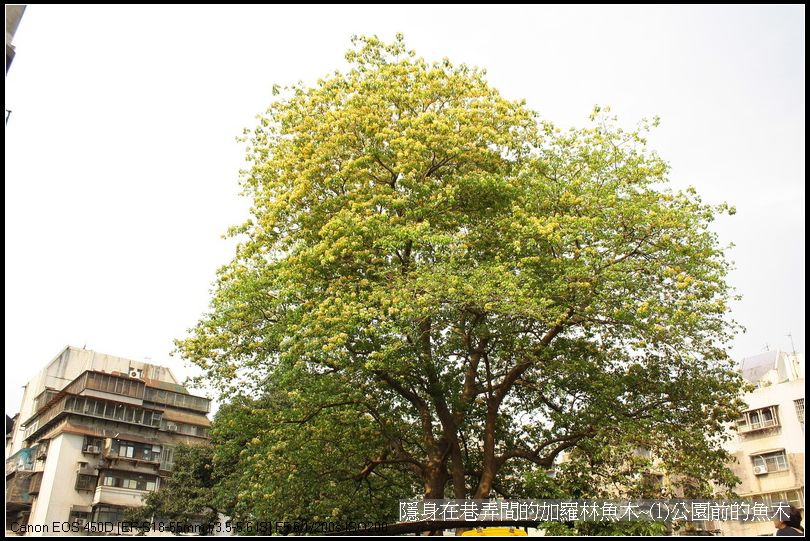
(769, 441)
(94, 435)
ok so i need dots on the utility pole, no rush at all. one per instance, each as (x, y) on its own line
(792, 347)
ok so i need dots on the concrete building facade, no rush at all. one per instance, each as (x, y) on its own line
(769, 437)
(95, 434)
(14, 13)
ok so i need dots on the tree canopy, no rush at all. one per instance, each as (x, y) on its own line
(437, 289)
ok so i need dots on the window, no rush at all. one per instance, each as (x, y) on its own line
(78, 516)
(91, 445)
(799, 409)
(137, 451)
(179, 400)
(108, 514)
(770, 462)
(126, 450)
(758, 419)
(167, 459)
(86, 482)
(130, 481)
(793, 497)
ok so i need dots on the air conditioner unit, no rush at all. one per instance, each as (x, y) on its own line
(93, 449)
(171, 427)
(86, 469)
(135, 373)
(760, 470)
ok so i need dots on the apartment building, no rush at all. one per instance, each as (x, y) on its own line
(94, 435)
(769, 441)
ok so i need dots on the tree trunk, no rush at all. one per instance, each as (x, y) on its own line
(489, 463)
(435, 479)
(457, 469)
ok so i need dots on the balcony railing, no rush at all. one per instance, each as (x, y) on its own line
(134, 454)
(100, 409)
(178, 400)
(759, 419)
(127, 497)
(18, 490)
(22, 460)
(131, 389)
(107, 383)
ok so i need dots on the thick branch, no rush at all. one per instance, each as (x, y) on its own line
(319, 409)
(417, 402)
(509, 380)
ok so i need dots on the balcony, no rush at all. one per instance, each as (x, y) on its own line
(177, 400)
(121, 387)
(126, 497)
(22, 460)
(132, 456)
(41, 452)
(18, 493)
(758, 420)
(44, 398)
(94, 407)
(91, 384)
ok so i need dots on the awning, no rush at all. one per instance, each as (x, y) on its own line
(766, 451)
(189, 418)
(73, 429)
(165, 385)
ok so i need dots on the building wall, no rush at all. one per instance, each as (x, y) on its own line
(780, 386)
(66, 367)
(57, 432)
(13, 15)
(58, 492)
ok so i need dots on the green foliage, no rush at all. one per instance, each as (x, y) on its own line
(187, 497)
(289, 459)
(436, 288)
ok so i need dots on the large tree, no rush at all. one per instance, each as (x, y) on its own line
(468, 291)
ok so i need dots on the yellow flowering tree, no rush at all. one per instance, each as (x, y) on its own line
(463, 289)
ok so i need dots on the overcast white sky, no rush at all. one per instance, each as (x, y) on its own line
(122, 163)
